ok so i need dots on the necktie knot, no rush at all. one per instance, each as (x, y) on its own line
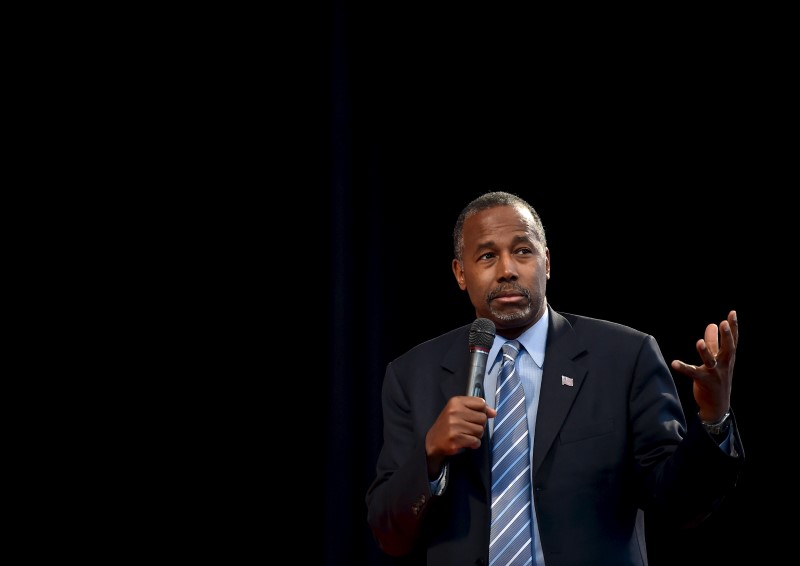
(511, 349)
(510, 352)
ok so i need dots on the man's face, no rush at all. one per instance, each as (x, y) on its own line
(505, 268)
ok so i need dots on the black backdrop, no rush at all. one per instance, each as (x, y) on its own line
(652, 164)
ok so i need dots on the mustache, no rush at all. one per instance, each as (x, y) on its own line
(505, 289)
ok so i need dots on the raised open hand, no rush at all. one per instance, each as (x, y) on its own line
(713, 378)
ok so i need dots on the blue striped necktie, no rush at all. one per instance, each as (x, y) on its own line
(510, 539)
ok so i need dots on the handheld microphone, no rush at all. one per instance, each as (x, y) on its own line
(481, 337)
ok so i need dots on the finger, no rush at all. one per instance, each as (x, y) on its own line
(708, 357)
(733, 321)
(684, 368)
(678, 365)
(712, 339)
(728, 340)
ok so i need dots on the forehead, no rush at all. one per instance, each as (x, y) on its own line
(499, 222)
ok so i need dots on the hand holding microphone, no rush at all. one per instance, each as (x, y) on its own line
(462, 422)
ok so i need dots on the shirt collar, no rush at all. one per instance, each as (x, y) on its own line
(533, 340)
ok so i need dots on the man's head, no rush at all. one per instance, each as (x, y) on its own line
(502, 261)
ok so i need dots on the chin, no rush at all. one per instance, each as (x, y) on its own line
(513, 318)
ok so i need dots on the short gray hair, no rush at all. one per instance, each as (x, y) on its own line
(491, 200)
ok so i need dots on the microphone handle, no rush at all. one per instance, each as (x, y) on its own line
(477, 369)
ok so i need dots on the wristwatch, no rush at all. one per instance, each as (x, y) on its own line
(719, 427)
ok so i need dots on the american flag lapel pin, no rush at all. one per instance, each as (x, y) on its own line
(567, 381)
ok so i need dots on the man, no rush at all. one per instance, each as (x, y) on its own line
(604, 437)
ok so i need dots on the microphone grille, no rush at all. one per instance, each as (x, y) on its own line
(481, 333)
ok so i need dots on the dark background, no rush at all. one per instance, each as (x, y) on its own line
(653, 155)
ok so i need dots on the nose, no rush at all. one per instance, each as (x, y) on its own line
(508, 267)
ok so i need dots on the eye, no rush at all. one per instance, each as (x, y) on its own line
(523, 251)
(487, 255)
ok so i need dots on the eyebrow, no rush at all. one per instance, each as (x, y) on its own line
(491, 244)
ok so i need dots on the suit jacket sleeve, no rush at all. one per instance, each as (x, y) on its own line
(404, 517)
(399, 495)
(686, 487)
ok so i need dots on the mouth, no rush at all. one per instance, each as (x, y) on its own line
(507, 298)
(507, 294)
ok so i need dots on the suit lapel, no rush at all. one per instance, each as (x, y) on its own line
(557, 395)
(455, 366)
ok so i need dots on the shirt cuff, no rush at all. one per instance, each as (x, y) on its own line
(439, 484)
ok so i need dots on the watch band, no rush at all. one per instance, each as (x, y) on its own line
(719, 427)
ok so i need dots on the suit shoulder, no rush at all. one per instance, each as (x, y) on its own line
(435, 346)
(583, 323)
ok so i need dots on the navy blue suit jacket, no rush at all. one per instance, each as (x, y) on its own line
(615, 442)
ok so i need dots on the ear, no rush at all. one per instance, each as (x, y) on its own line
(547, 261)
(458, 271)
